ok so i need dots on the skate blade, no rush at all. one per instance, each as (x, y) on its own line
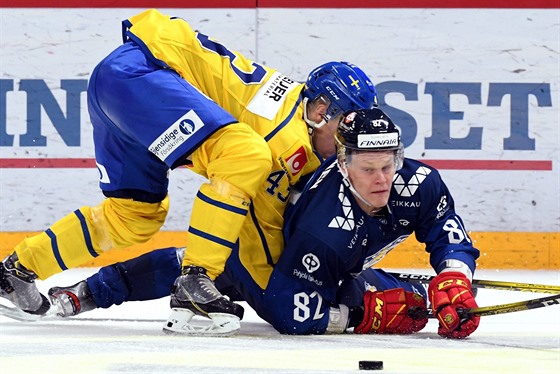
(220, 324)
(17, 314)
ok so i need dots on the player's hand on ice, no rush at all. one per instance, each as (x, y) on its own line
(386, 312)
(447, 292)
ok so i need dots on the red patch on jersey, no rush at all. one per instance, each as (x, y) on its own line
(297, 161)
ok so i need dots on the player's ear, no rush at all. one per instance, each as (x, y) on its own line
(316, 107)
(343, 166)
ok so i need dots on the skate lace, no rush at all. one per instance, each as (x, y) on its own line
(4, 284)
(207, 286)
(198, 289)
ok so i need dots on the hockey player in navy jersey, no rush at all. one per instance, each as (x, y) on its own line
(357, 207)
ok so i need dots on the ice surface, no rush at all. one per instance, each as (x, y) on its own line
(129, 339)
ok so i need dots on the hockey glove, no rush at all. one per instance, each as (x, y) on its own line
(386, 312)
(447, 292)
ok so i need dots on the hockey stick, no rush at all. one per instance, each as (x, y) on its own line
(514, 307)
(479, 283)
(494, 309)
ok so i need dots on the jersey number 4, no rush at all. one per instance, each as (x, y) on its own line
(254, 76)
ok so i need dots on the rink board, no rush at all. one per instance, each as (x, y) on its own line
(498, 250)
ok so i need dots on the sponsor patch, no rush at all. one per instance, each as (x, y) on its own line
(270, 97)
(297, 161)
(176, 134)
(311, 262)
(372, 141)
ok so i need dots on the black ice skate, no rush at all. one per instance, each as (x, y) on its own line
(72, 300)
(17, 284)
(194, 293)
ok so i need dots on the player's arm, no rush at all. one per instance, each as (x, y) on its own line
(452, 255)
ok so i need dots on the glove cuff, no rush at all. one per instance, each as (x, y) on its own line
(457, 266)
(338, 319)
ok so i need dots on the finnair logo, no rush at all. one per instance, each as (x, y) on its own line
(347, 221)
(373, 141)
(408, 189)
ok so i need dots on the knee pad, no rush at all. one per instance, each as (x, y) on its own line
(121, 223)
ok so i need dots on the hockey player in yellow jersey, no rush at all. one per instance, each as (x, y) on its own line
(170, 97)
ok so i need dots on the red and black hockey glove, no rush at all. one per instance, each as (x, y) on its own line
(386, 312)
(447, 292)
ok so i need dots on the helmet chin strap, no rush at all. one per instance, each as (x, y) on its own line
(347, 183)
(313, 125)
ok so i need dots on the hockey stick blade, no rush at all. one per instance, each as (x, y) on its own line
(541, 302)
(479, 283)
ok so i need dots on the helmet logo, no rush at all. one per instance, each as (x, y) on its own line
(355, 82)
(333, 94)
(378, 140)
(350, 117)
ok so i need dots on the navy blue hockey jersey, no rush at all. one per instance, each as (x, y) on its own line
(329, 239)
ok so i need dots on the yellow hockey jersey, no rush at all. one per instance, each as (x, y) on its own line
(259, 96)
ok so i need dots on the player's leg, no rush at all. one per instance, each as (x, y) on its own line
(230, 154)
(236, 161)
(134, 180)
(146, 277)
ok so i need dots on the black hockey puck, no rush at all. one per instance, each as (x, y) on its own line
(370, 365)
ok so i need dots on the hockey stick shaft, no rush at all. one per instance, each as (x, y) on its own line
(515, 307)
(478, 283)
(496, 309)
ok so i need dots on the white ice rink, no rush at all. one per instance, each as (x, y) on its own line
(128, 339)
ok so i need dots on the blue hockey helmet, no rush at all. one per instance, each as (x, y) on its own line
(368, 130)
(344, 85)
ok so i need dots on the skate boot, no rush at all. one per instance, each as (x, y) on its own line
(17, 284)
(72, 300)
(194, 293)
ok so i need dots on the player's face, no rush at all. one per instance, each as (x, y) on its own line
(371, 174)
(323, 138)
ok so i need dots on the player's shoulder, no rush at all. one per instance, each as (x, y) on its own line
(306, 193)
(418, 169)
(327, 173)
(416, 179)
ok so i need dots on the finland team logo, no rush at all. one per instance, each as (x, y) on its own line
(345, 222)
(408, 189)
